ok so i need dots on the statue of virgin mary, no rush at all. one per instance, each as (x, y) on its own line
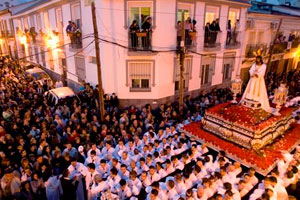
(256, 91)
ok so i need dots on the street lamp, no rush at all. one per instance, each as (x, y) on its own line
(236, 87)
(23, 39)
(280, 96)
(52, 41)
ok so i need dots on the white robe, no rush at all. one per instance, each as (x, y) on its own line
(53, 188)
(256, 89)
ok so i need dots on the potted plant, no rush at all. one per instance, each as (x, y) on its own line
(141, 34)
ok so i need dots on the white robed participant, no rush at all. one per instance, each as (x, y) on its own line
(78, 169)
(53, 188)
(256, 89)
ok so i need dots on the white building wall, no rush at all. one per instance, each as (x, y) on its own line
(111, 27)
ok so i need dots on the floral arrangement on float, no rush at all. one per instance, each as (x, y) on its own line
(263, 160)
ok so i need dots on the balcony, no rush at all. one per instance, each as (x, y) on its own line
(8, 34)
(295, 43)
(280, 47)
(190, 41)
(212, 41)
(140, 41)
(251, 48)
(76, 40)
(233, 40)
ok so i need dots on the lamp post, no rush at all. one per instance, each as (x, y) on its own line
(236, 87)
(280, 96)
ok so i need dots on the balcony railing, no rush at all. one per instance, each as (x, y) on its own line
(212, 40)
(280, 47)
(7, 33)
(190, 40)
(295, 43)
(140, 41)
(76, 40)
(251, 48)
(233, 40)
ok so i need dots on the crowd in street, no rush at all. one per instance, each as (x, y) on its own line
(64, 151)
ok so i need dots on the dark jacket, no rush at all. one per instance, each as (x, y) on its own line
(69, 189)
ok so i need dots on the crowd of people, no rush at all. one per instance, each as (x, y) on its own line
(64, 151)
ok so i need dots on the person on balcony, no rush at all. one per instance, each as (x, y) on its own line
(235, 31)
(229, 33)
(147, 27)
(207, 34)
(218, 29)
(133, 29)
(188, 28)
(179, 33)
(213, 32)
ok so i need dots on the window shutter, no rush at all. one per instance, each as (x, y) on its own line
(176, 70)
(139, 70)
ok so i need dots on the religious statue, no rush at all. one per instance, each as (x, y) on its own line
(255, 95)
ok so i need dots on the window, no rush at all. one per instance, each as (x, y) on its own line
(187, 74)
(59, 24)
(76, 14)
(26, 24)
(260, 37)
(139, 11)
(211, 14)
(228, 66)
(36, 52)
(43, 54)
(19, 23)
(32, 24)
(140, 74)
(30, 52)
(38, 22)
(233, 16)
(46, 21)
(251, 37)
(5, 25)
(207, 69)
(187, 9)
(80, 68)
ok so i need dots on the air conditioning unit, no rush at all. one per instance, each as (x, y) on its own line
(249, 24)
(273, 25)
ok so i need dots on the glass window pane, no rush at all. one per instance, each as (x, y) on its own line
(179, 11)
(211, 14)
(134, 14)
(206, 73)
(233, 15)
(135, 83)
(145, 83)
(145, 12)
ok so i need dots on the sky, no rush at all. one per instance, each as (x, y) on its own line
(9, 3)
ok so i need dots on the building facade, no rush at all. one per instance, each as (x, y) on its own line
(261, 27)
(139, 67)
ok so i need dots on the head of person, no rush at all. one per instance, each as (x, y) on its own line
(123, 184)
(170, 184)
(259, 60)
(113, 172)
(153, 194)
(66, 173)
(91, 167)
